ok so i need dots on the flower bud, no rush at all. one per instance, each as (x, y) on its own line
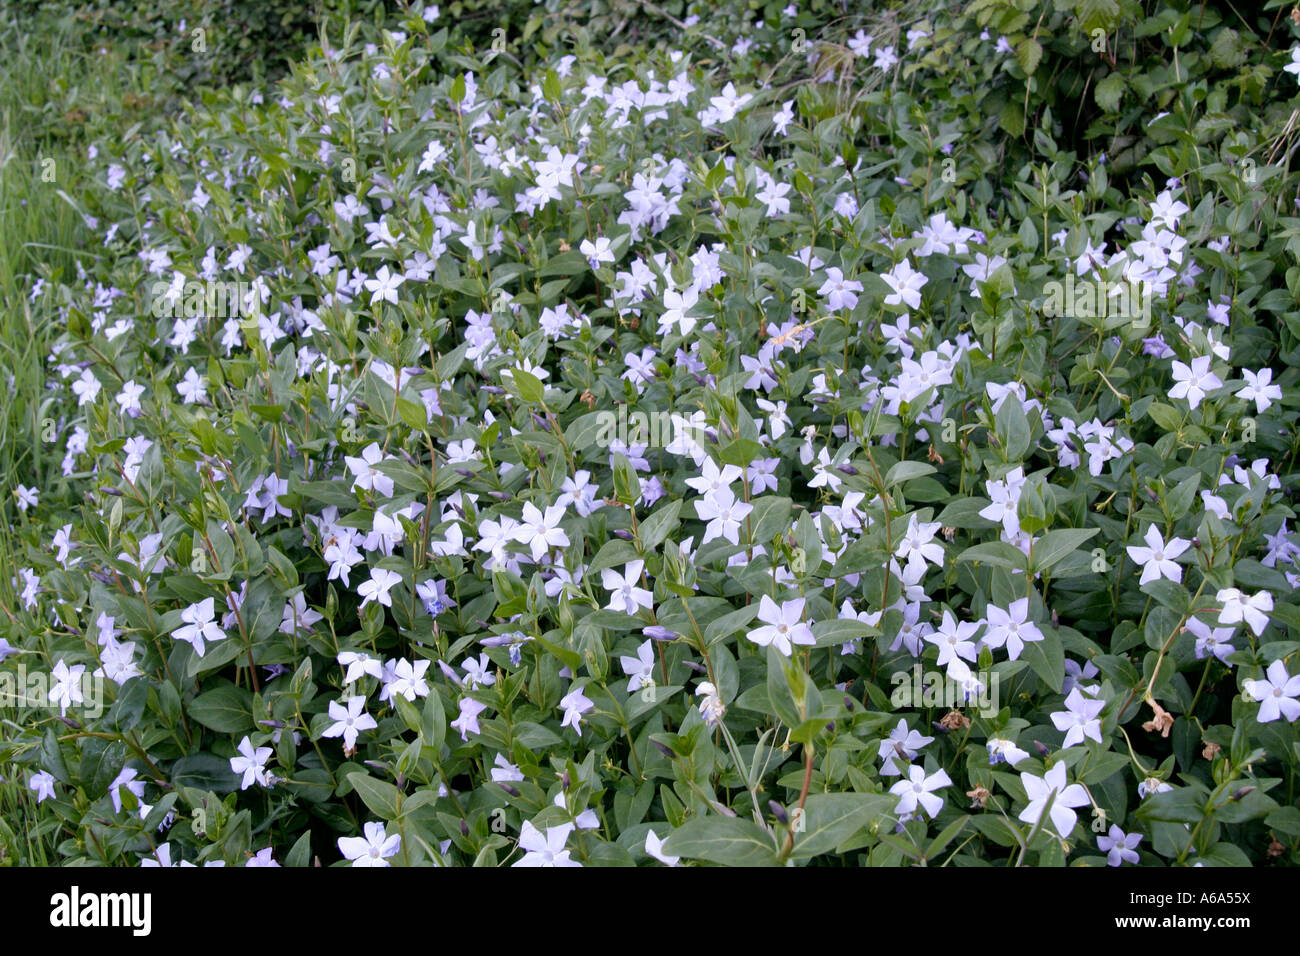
(778, 811)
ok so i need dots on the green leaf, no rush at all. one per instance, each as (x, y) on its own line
(1047, 658)
(839, 630)
(729, 624)
(299, 854)
(1180, 805)
(1028, 54)
(965, 513)
(999, 554)
(583, 431)
(433, 727)
(779, 691)
(907, 470)
(1012, 118)
(831, 818)
(129, 706)
(1012, 429)
(1166, 416)
(741, 453)
(529, 386)
(1055, 545)
(660, 525)
(1109, 92)
(204, 771)
(227, 709)
(729, 841)
(948, 834)
(379, 796)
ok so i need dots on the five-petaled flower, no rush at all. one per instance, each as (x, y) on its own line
(1052, 785)
(545, 849)
(918, 789)
(783, 626)
(350, 718)
(1157, 558)
(1276, 694)
(1119, 847)
(251, 764)
(199, 626)
(374, 849)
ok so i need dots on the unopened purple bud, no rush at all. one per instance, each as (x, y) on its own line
(698, 668)
(508, 789)
(565, 781)
(663, 749)
(778, 811)
(1041, 748)
(464, 827)
(659, 633)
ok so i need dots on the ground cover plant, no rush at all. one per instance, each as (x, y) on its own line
(797, 437)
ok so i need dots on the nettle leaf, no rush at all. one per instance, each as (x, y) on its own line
(1029, 53)
(1109, 91)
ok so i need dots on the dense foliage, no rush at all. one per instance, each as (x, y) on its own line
(781, 439)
